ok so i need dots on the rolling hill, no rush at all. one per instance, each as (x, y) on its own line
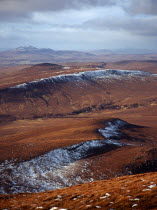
(91, 125)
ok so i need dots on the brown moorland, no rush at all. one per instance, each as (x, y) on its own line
(14, 75)
(127, 192)
(71, 94)
(24, 137)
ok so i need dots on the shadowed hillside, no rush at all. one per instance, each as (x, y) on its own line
(79, 93)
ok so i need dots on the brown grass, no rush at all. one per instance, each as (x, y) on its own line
(118, 193)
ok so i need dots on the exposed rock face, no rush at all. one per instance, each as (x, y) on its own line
(76, 93)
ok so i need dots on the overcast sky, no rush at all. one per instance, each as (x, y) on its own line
(79, 24)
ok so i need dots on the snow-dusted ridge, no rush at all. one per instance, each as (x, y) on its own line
(53, 170)
(87, 75)
(112, 129)
(57, 168)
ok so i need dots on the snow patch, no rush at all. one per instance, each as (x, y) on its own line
(134, 205)
(146, 190)
(152, 186)
(112, 129)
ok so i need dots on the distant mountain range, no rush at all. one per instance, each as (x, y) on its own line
(31, 49)
(33, 55)
(124, 51)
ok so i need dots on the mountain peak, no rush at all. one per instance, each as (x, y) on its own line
(26, 48)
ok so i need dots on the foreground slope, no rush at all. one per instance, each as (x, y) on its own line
(128, 192)
(123, 149)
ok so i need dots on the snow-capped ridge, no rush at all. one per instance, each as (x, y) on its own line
(112, 131)
(87, 75)
(112, 128)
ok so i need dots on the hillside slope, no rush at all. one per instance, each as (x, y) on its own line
(78, 93)
(128, 192)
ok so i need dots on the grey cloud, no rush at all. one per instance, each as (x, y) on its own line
(114, 22)
(143, 7)
(50, 5)
(14, 16)
(137, 26)
(14, 9)
(11, 10)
